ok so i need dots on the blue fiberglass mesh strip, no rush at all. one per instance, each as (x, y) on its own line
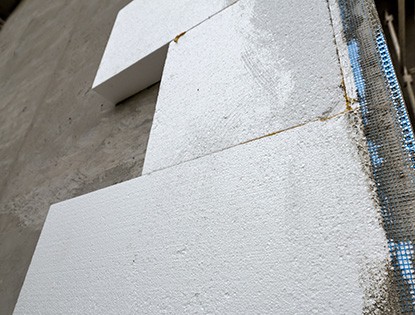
(390, 138)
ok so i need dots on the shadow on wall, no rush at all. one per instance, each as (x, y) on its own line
(389, 15)
(6, 8)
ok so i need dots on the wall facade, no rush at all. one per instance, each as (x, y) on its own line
(257, 193)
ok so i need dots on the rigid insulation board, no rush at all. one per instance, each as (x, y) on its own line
(282, 225)
(255, 68)
(137, 47)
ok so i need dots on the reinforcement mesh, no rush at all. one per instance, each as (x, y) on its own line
(389, 135)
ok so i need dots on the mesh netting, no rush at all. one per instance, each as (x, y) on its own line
(390, 138)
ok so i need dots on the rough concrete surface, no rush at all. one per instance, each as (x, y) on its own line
(282, 225)
(255, 68)
(58, 139)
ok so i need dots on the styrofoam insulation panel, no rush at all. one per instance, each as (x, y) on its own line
(281, 225)
(137, 47)
(255, 68)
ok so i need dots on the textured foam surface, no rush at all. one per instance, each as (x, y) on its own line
(136, 50)
(285, 224)
(255, 68)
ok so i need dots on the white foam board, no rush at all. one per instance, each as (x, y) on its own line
(137, 47)
(281, 225)
(255, 68)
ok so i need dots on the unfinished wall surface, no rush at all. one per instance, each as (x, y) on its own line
(265, 227)
(257, 195)
(270, 75)
(58, 139)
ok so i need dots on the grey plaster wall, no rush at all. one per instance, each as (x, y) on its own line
(58, 139)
